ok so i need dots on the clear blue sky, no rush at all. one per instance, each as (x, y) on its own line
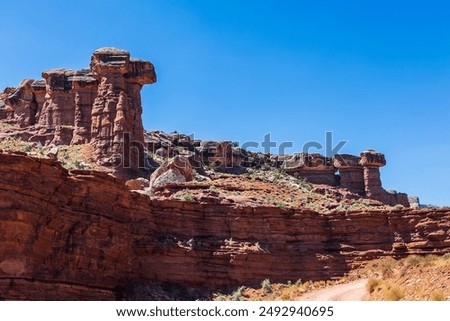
(374, 73)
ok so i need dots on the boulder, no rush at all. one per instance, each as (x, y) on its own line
(174, 171)
(133, 184)
(137, 184)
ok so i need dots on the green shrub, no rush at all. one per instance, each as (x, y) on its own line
(266, 286)
(238, 295)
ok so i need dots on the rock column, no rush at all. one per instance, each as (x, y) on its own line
(116, 113)
(371, 161)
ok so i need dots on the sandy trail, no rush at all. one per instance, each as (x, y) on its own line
(353, 291)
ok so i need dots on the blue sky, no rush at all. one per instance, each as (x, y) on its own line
(375, 74)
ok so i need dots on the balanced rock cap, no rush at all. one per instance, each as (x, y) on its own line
(372, 158)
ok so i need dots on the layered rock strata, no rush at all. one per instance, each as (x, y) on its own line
(83, 234)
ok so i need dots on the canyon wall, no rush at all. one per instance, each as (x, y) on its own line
(82, 234)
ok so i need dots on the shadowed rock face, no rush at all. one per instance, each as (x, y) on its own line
(98, 105)
(80, 235)
(25, 106)
(315, 168)
(351, 173)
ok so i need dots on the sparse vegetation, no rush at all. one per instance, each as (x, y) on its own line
(187, 196)
(238, 295)
(393, 293)
(266, 286)
(413, 278)
(211, 166)
(373, 284)
(280, 204)
(438, 296)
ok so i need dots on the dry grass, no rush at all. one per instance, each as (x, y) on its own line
(17, 145)
(438, 296)
(71, 157)
(373, 285)
(273, 291)
(415, 278)
(77, 157)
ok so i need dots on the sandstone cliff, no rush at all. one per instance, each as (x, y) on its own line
(81, 234)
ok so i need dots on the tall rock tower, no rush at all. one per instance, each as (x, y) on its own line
(116, 128)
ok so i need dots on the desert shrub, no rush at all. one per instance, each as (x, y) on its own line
(280, 204)
(187, 197)
(266, 286)
(437, 296)
(299, 282)
(211, 166)
(286, 297)
(394, 293)
(430, 260)
(304, 184)
(387, 267)
(415, 260)
(372, 285)
(238, 295)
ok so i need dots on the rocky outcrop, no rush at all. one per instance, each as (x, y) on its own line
(82, 234)
(351, 173)
(174, 171)
(220, 153)
(414, 202)
(371, 161)
(315, 168)
(358, 174)
(25, 106)
(100, 105)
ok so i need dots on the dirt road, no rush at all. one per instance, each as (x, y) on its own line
(353, 291)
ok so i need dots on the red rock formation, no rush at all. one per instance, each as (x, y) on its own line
(315, 168)
(351, 173)
(117, 108)
(175, 170)
(371, 162)
(80, 234)
(23, 104)
(100, 105)
(221, 153)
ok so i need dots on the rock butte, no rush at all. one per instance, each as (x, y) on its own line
(82, 234)
(97, 105)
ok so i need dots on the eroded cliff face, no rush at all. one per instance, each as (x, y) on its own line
(82, 234)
